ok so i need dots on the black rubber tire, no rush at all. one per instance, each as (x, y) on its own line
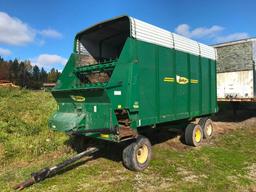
(129, 154)
(190, 134)
(204, 123)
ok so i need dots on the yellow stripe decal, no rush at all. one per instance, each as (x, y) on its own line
(194, 81)
(168, 79)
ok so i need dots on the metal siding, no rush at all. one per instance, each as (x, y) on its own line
(235, 84)
(213, 83)
(207, 51)
(163, 101)
(206, 78)
(187, 45)
(149, 33)
(182, 91)
(147, 83)
(194, 88)
(166, 89)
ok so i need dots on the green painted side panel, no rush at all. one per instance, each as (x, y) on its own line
(174, 85)
(95, 112)
(153, 83)
(67, 79)
(147, 83)
(182, 90)
(166, 89)
(205, 83)
(194, 67)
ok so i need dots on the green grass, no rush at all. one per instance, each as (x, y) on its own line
(228, 163)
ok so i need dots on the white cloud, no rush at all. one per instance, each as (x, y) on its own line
(48, 61)
(213, 33)
(5, 52)
(50, 33)
(13, 31)
(200, 32)
(231, 37)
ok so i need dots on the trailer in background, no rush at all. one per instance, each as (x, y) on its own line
(236, 71)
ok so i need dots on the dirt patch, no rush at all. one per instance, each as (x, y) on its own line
(174, 143)
(143, 182)
(1, 151)
(252, 188)
(223, 127)
(251, 172)
(189, 176)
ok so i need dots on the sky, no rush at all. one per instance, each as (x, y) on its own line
(43, 31)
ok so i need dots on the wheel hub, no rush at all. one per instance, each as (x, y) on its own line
(198, 135)
(142, 154)
(209, 130)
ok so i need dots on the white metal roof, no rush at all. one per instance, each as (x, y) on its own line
(235, 42)
(149, 33)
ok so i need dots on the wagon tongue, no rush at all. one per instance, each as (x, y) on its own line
(63, 121)
(51, 171)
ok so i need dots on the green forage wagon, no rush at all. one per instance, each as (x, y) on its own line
(125, 74)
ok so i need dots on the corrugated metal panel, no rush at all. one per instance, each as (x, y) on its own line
(234, 42)
(149, 33)
(184, 44)
(152, 34)
(207, 51)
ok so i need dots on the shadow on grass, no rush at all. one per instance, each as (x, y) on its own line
(113, 151)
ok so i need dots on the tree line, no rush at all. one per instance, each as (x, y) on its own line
(25, 75)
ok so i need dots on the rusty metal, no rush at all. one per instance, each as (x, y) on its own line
(127, 132)
(237, 99)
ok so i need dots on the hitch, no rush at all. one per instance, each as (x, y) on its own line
(49, 171)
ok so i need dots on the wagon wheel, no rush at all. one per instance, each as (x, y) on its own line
(137, 155)
(193, 135)
(207, 127)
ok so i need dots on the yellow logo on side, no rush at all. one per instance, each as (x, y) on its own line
(78, 98)
(181, 80)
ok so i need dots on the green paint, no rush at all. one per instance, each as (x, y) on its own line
(155, 84)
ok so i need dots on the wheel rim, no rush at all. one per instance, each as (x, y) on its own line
(198, 135)
(142, 154)
(209, 130)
